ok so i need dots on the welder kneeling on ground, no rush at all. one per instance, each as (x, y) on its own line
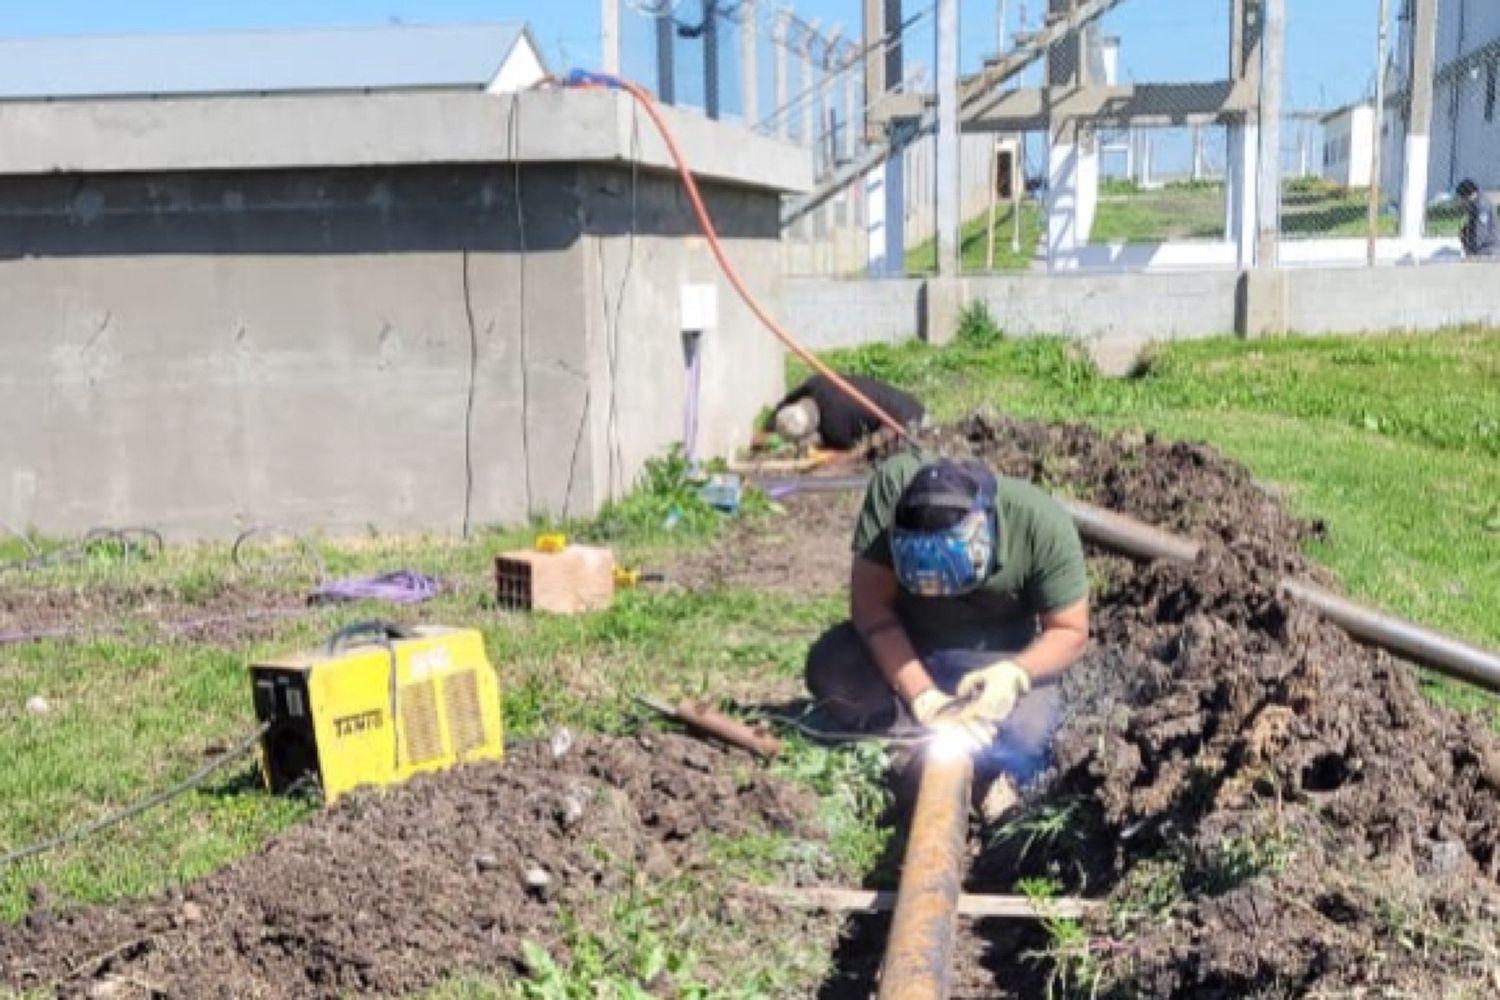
(968, 599)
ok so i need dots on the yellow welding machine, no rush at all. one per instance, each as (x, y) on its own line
(375, 705)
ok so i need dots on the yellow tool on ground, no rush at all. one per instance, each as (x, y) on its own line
(627, 578)
(375, 705)
(554, 542)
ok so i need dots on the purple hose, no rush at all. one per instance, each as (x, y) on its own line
(401, 587)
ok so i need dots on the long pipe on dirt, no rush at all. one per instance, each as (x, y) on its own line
(919, 953)
(1443, 653)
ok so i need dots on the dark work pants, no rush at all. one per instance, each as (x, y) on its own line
(843, 678)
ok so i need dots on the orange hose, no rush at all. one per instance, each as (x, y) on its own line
(725, 265)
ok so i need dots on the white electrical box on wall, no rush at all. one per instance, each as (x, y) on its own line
(700, 308)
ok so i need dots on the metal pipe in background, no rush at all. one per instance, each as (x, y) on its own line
(1442, 653)
(918, 961)
(1126, 535)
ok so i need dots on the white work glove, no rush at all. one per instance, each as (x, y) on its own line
(994, 690)
(942, 714)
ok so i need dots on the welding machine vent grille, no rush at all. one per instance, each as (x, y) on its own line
(465, 721)
(419, 722)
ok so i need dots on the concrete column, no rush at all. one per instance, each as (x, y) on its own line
(805, 89)
(666, 63)
(609, 36)
(851, 111)
(711, 58)
(1240, 202)
(749, 63)
(1419, 119)
(1063, 240)
(779, 41)
(1273, 76)
(949, 222)
(873, 25)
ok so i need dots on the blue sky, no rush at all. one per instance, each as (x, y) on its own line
(1331, 43)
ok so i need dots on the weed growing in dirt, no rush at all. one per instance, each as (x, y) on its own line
(668, 499)
(1073, 967)
(1042, 827)
(852, 795)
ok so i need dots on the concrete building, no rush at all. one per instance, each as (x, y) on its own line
(412, 308)
(1465, 140)
(498, 58)
(1349, 145)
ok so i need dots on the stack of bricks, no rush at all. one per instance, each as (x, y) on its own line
(577, 578)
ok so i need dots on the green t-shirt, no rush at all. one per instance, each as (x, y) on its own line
(1040, 569)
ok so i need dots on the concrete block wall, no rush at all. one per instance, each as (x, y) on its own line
(828, 313)
(336, 350)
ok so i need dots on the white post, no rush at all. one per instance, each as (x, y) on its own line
(779, 40)
(947, 181)
(1272, 77)
(1419, 131)
(1381, 41)
(749, 64)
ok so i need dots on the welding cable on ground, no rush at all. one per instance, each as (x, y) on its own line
(238, 552)
(192, 781)
(404, 586)
(584, 79)
(134, 543)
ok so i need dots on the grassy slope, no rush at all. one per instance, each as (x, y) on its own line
(1394, 441)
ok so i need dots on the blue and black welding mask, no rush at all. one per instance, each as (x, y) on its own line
(945, 539)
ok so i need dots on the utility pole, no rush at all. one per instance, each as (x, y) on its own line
(1375, 140)
(609, 36)
(1423, 30)
(1273, 74)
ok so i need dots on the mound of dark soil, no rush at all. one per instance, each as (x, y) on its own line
(1273, 809)
(389, 892)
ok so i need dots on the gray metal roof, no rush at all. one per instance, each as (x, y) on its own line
(387, 57)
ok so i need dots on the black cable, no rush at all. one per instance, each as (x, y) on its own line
(237, 551)
(135, 543)
(165, 795)
(469, 401)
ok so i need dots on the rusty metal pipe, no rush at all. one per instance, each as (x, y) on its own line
(1443, 653)
(919, 954)
(701, 716)
(1127, 536)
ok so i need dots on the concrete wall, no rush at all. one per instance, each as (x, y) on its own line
(333, 349)
(1150, 306)
(828, 313)
(1361, 300)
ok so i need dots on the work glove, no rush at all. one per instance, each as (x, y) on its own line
(994, 690)
(943, 714)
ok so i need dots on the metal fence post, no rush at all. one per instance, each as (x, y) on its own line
(749, 63)
(666, 64)
(1419, 118)
(1273, 75)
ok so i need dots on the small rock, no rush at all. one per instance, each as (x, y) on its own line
(561, 742)
(191, 913)
(539, 882)
(104, 989)
(1445, 857)
(486, 862)
(37, 705)
(570, 811)
(698, 759)
(1489, 769)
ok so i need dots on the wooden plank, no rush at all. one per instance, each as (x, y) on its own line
(969, 904)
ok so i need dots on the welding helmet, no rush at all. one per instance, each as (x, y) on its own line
(945, 538)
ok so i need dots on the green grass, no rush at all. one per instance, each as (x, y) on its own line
(136, 709)
(1128, 214)
(922, 259)
(1394, 441)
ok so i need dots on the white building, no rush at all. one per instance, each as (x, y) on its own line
(1348, 145)
(1466, 88)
